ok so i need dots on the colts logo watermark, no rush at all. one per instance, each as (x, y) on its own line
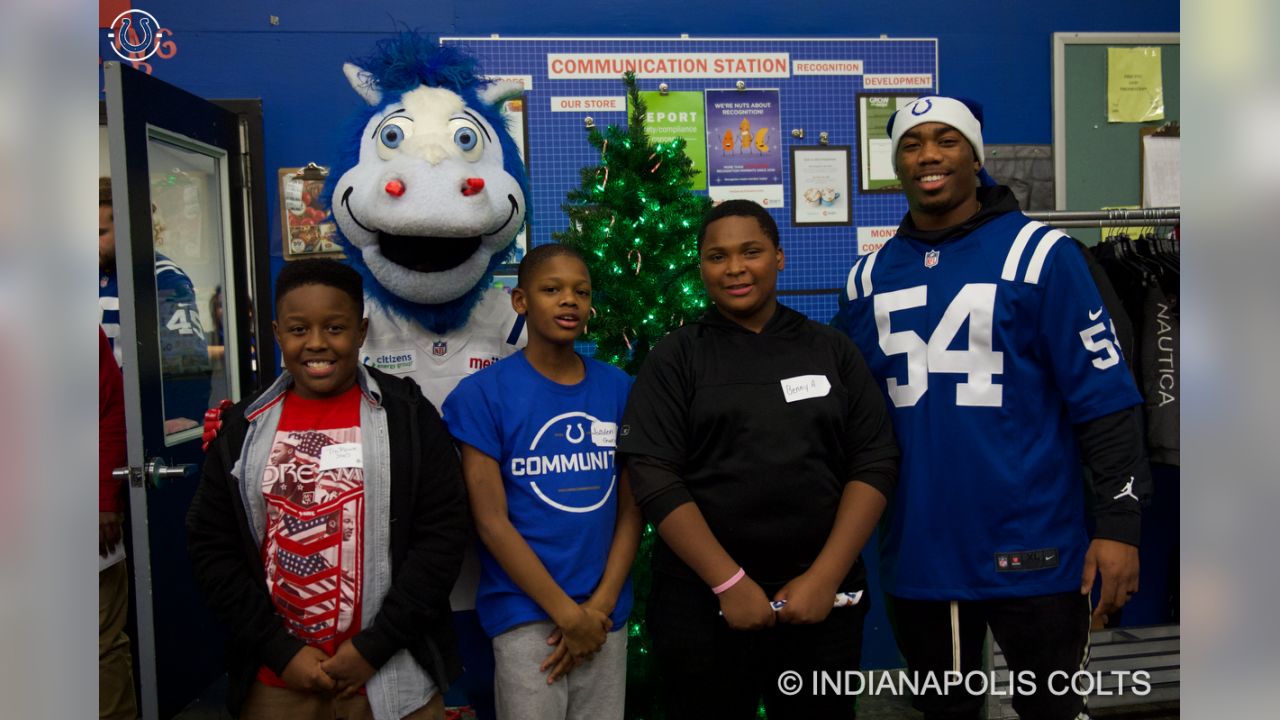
(135, 35)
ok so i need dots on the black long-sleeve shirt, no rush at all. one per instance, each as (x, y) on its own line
(762, 431)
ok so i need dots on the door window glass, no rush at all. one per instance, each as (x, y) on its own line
(187, 206)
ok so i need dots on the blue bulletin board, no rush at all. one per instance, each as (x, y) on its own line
(818, 81)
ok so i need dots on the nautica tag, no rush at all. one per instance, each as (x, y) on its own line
(803, 387)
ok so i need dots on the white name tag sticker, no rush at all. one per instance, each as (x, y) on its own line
(342, 455)
(804, 387)
(604, 434)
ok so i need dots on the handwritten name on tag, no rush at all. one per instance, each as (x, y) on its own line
(804, 387)
(342, 455)
(604, 434)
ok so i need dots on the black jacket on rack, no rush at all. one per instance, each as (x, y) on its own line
(1145, 273)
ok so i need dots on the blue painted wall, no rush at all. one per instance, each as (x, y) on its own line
(997, 51)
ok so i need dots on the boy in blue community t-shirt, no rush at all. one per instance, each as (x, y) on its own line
(554, 512)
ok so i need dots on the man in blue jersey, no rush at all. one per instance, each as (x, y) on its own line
(1002, 370)
(184, 354)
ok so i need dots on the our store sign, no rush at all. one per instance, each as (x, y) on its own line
(589, 104)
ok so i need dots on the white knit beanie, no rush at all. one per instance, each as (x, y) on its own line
(945, 110)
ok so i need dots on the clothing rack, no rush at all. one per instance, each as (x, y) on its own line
(1143, 217)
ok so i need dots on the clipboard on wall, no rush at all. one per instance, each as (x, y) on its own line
(306, 227)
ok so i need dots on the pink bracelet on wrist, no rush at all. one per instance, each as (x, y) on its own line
(730, 582)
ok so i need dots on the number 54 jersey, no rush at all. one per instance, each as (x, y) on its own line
(989, 347)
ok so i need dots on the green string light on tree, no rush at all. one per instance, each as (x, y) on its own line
(647, 189)
(646, 284)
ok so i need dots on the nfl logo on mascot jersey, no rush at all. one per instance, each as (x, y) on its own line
(440, 348)
(931, 258)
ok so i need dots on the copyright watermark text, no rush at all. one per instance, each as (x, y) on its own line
(902, 682)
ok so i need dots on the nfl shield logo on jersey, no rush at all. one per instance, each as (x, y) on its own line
(440, 348)
(931, 258)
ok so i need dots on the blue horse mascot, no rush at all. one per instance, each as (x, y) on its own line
(429, 198)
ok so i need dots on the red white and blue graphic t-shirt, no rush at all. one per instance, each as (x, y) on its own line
(314, 492)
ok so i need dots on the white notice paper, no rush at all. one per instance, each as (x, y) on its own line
(881, 160)
(1161, 172)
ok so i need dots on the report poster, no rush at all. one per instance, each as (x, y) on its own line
(679, 115)
(744, 148)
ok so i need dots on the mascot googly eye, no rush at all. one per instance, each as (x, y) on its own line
(391, 133)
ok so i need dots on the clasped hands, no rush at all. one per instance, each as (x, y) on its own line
(808, 601)
(577, 638)
(312, 670)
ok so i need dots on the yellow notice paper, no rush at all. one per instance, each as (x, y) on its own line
(1135, 85)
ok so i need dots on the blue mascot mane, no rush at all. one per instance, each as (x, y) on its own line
(397, 65)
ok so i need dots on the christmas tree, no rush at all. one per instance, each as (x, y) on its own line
(635, 221)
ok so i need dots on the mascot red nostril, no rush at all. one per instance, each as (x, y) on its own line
(473, 186)
(395, 188)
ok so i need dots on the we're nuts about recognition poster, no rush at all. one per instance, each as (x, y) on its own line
(744, 155)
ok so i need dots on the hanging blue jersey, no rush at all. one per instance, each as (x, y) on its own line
(989, 347)
(555, 445)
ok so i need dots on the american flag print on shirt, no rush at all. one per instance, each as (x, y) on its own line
(314, 537)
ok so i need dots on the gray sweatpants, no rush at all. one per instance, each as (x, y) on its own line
(593, 691)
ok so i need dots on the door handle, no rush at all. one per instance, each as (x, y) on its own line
(156, 473)
(130, 475)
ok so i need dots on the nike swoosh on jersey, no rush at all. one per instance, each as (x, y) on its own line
(1095, 315)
